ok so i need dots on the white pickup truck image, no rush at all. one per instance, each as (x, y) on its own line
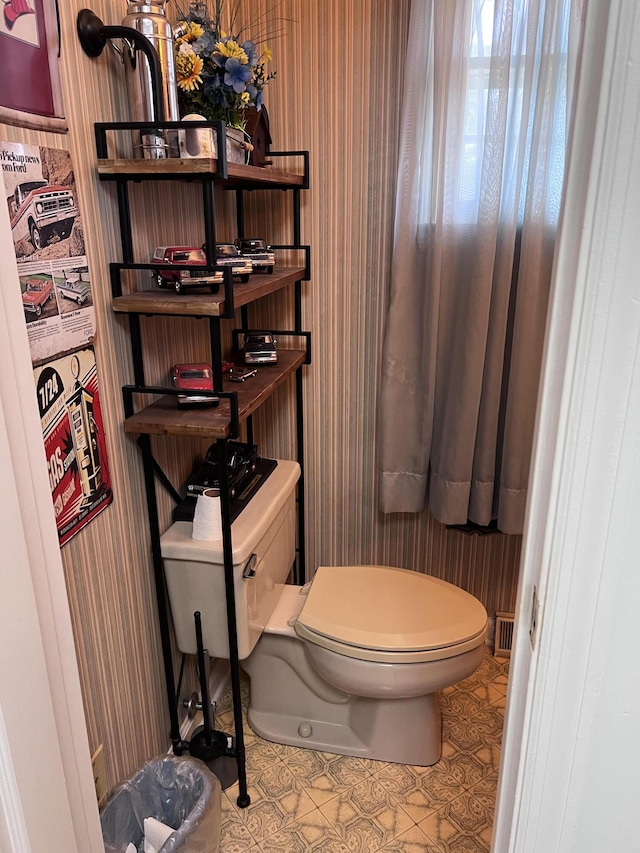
(40, 211)
(72, 287)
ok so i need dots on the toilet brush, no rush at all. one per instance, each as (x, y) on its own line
(213, 747)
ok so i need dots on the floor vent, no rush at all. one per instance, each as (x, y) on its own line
(504, 635)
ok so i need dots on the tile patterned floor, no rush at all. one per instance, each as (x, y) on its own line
(312, 802)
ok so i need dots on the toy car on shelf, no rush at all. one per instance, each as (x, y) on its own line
(260, 348)
(228, 255)
(260, 255)
(192, 378)
(241, 374)
(181, 278)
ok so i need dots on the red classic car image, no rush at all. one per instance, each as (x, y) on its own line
(181, 278)
(36, 294)
(192, 378)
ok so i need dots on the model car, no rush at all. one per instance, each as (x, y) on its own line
(260, 255)
(241, 374)
(181, 278)
(260, 348)
(228, 255)
(242, 460)
(36, 295)
(73, 288)
(192, 378)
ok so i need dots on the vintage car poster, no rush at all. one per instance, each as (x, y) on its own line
(49, 244)
(74, 440)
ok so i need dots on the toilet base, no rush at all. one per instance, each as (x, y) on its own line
(290, 703)
(401, 731)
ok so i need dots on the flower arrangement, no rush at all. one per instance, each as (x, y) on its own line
(219, 73)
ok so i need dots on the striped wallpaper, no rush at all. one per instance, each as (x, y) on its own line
(337, 93)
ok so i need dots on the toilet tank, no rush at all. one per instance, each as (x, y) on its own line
(263, 538)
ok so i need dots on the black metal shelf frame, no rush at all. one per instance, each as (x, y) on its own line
(153, 472)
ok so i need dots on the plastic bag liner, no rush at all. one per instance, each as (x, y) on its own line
(181, 792)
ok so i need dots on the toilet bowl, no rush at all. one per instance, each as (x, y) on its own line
(351, 663)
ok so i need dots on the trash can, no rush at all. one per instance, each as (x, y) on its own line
(180, 792)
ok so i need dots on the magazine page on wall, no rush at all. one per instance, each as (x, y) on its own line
(46, 226)
(55, 284)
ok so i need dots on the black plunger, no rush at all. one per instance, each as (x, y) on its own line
(206, 743)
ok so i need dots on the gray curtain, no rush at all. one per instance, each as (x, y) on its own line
(480, 184)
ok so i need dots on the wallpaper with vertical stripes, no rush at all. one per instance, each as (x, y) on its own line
(337, 93)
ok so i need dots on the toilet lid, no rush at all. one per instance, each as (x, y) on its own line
(390, 610)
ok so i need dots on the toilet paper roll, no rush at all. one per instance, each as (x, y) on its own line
(207, 518)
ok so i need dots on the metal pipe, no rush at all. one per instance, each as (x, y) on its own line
(94, 35)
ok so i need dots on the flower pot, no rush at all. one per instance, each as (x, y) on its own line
(203, 142)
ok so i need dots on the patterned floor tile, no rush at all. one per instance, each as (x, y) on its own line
(467, 769)
(473, 746)
(495, 671)
(323, 775)
(234, 835)
(311, 834)
(277, 800)
(367, 817)
(420, 790)
(500, 704)
(464, 824)
(302, 800)
(489, 721)
(224, 703)
(412, 841)
(485, 792)
(468, 700)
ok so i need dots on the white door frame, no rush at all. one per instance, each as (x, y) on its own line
(565, 780)
(47, 797)
(580, 527)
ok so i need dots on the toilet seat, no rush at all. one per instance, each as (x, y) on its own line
(389, 615)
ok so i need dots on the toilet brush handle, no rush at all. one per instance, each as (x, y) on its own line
(203, 666)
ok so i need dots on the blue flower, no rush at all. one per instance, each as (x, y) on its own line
(252, 54)
(205, 45)
(236, 74)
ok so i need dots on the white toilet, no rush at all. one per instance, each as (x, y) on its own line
(351, 663)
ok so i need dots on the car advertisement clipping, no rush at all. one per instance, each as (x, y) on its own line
(69, 404)
(57, 302)
(48, 238)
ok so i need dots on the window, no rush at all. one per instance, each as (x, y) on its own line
(502, 92)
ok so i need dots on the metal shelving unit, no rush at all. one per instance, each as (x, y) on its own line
(163, 416)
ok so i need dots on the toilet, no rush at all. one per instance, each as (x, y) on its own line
(351, 663)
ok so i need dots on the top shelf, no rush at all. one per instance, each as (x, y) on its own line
(186, 169)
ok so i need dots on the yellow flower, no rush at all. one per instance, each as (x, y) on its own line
(231, 48)
(267, 56)
(245, 98)
(193, 31)
(188, 69)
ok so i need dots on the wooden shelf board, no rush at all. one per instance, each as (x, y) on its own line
(200, 303)
(176, 167)
(166, 417)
